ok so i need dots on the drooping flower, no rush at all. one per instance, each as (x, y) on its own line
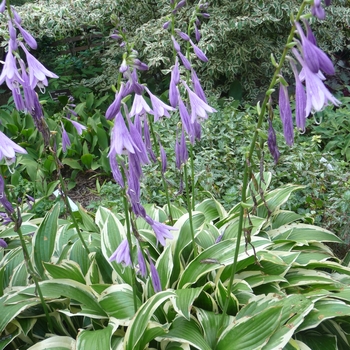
(286, 115)
(142, 262)
(3, 199)
(184, 61)
(10, 72)
(181, 153)
(300, 100)
(162, 231)
(317, 10)
(199, 53)
(182, 35)
(140, 106)
(78, 127)
(175, 44)
(197, 33)
(197, 86)
(28, 38)
(65, 139)
(159, 108)
(114, 108)
(186, 119)
(174, 80)
(272, 143)
(117, 175)
(140, 65)
(147, 138)
(155, 277)
(122, 254)
(37, 72)
(198, 107)
(314, 57)
(120, 137)
(3, 244)
(317, 95)
(8, 149)
(163, 158)
(2, 6)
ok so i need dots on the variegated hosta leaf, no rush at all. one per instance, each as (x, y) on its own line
(184, 301)
(55, 343)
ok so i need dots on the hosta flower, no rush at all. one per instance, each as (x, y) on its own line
(139, 106)
(163, 158)
(317, 95)
(122, 254)
(10, 72)
(314, 57)
(182, 35)
(162, 231)
(8, 149)
(197, 33)
(3, 244)
(147, 138)
(185, 118)
(28, 38)
(117, 175)
(120, 138)
(114, 108)
(2, 6)
(159, 108)
(198, 107)
(142, 262)
(181, 153)
(155, 277)
(65, 139)
(3, 199)
(286, 115)
(184, 61)
(272, 143)
(37, 72)
(175, 44)
(199, 53)
(300, 100)
(78, 127)
(197, 86)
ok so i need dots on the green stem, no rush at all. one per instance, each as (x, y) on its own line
(192, 176)
(70, 212)
(246, 174)
(34, 276)
(128, 237)
(188, 197)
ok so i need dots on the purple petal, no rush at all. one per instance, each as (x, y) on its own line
(286, 115)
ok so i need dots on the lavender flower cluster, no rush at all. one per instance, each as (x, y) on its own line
(311, 94)
(131, 145)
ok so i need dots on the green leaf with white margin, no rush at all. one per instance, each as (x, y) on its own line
(251, 332)
(153, 331)
(258, 278)
(182, 238)
(9, 338)
(164, 267)
(9, 312)
(118, 302)
(44, 240)
(303, 277)
(97, 339)
(295, 309)
(212, 209)
(302, 233)
(176, 211)
(318, 341)
(55, 343)
(66, 269)
(186, 331)
(221, 296)
(10, 262)
(19, 276)
(284, 217)
(324, 310)
(26, 228)
(54, 289)
(296, 345)
(112, 234)
(211, 325)
(139, 324)
(184, 301)
(87, 221)
(216, 256)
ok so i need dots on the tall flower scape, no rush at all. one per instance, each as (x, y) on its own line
(131, 142)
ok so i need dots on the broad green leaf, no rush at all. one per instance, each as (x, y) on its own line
(211, 325)
(66, 269)
(211, 208)
(325, 309)
(118, 302)
(26, 228)
(55, 343)
(79, 254)
(10, 262)
(182, 238)
(219, 255)
(44, 239)
(164, 267)
(87, 221)
(95, 339)
(284, 217)
(318, 341)
(184, 301)
(19, 275)
(257, 278)
(139, 323)
(54, 289)
(72, 163)
(221, 296)
(9, 338)
(183, 330)
(303, 233)
(304, 277)
(251, 333)
(9, 312)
